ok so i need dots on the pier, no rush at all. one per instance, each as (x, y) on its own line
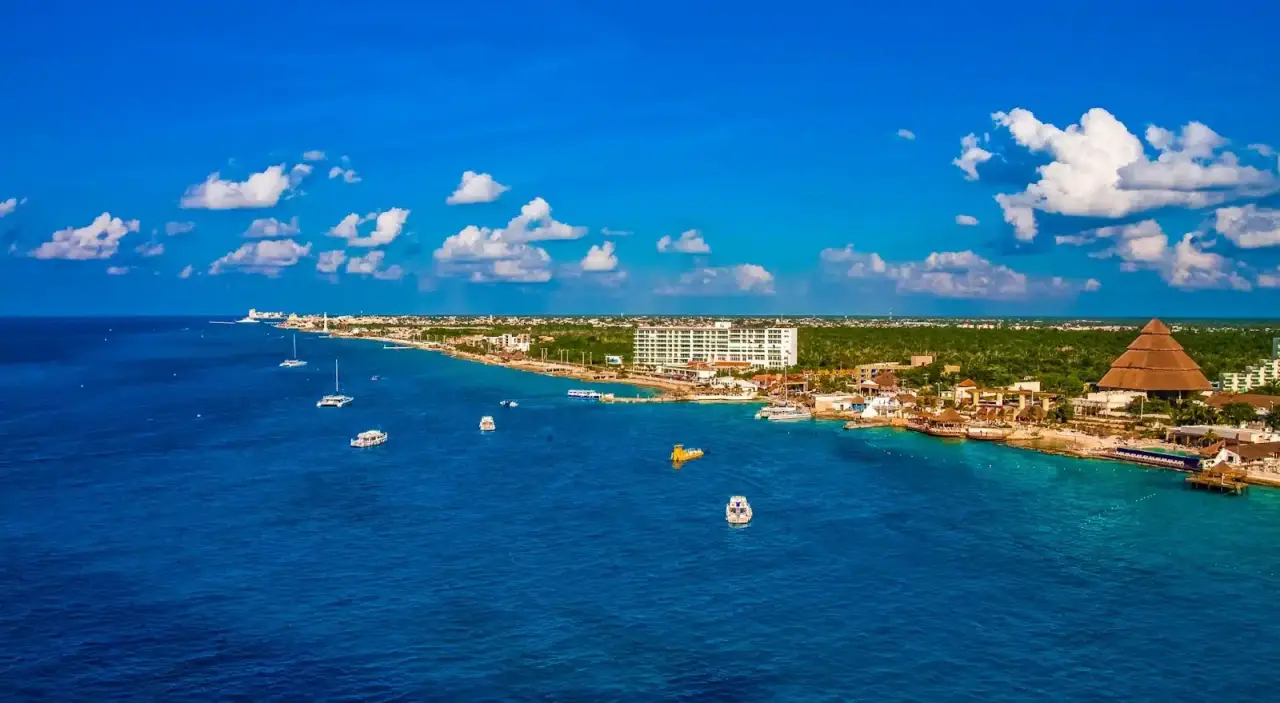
(1229, 481)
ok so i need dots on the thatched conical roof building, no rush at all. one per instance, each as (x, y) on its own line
(1155, 363)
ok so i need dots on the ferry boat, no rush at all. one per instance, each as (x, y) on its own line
(369, 438)
(509, 404)
(591, 395)
(336, 400)
(486, 424)
(783, 413)
(680, 455)
(295, 362)
(738, 511)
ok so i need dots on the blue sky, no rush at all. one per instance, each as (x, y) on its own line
(767, 146)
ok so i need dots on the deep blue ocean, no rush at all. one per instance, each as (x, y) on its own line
(179, 522)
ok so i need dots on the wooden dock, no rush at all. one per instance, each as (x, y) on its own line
(1219, 481)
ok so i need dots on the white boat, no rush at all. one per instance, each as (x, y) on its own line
(577, 393)
(737, 511)
(783, 412)
(396, 346)
(295, 362)
(486, 424)
(336, 400)
(369, 438)
(509, 404)
(252, 317)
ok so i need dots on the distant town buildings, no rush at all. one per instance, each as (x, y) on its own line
(1255, 376)
(759, 347)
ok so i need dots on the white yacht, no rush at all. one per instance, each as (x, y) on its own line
(336, 400)
(737, 511)
(509, 404)
(486, 424)
(369, 438)
(592, 395)
(294, 362)
(779, 413)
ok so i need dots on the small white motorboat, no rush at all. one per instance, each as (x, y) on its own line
(509, 404)
(369, 438)
(486, 424)
(737, 511)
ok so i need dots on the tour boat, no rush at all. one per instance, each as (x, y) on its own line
(679, 454)
(593, 395)
(295, 362)
(336, 400)
(784, 413)
(738, 511)
(369, 438)
(486, 424)
(509, 404)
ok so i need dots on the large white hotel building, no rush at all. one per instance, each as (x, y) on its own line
(762, 347)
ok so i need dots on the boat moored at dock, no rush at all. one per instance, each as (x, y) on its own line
(738, 511)
(369, 438)
(782, 413)
(585, 394)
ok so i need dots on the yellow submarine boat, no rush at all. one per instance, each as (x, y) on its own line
(679, 454)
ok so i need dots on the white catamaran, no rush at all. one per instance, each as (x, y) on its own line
(336, 400)
(294, 362)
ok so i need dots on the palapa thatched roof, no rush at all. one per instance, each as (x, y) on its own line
(949, 416)
(1155, 362)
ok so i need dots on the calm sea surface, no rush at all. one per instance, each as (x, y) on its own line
(179, 522)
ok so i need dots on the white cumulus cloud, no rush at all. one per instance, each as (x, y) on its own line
(271, 227)
(1185, 264)
(387, 226)
(1101, 169)
(313, 155)
(348, 175)
(186, 271)
(907, 134)
(689, 242)
(260, 190)
(330, 261)
(477, 250)
(8, 206)
(600, 258)
(176, 228)
(1249, 227)
(266, 256)
(99, 239)
(117, 270)
(531, 269)
(751, 279)
(971, 156)
(966, 220)
(371, 264)
(476, 188)
(950, 274)
(150, 249)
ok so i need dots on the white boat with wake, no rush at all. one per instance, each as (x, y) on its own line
(738, 511)
(509, 404)
(486, 424)
(295, 362)
(336, 399)
(369, 438)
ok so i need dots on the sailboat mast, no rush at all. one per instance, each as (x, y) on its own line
(335, 375)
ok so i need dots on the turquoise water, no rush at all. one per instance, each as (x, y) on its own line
(179, 522)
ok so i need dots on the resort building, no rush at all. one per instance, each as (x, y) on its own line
(1260, 374)
(1155, 365)
(868, 372)
(758, 347)
(510, 342)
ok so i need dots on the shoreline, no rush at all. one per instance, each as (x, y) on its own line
(1068, 443)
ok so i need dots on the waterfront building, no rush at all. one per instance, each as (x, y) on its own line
(510, 342)
(868, 372)
(1259, 374)
(1156, 365)
(759, 347)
